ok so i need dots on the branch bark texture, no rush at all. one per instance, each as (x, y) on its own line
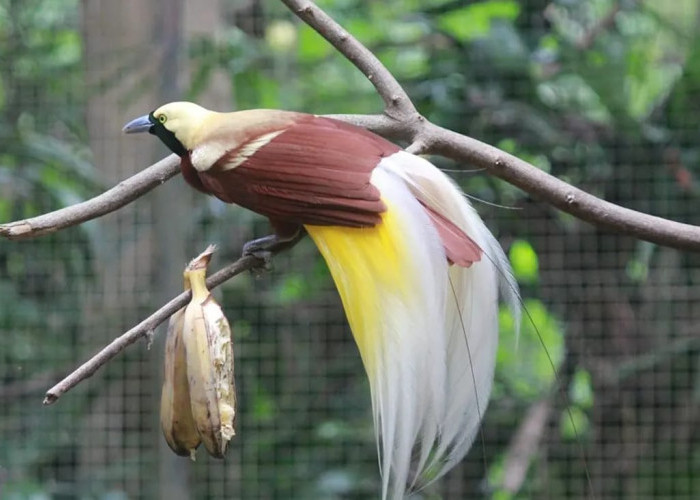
(122, 194)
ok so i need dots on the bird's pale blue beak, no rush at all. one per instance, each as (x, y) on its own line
(140, 124)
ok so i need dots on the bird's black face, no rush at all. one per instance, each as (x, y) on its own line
(149, 123)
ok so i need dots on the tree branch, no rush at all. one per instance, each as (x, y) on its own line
(564, 196)
(123, 193)
(146, 328)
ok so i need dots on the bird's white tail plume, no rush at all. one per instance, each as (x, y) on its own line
(427, 331)
(471, 319)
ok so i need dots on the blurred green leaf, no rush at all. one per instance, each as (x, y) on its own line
(637, 268)
(475, 20)
(268, 92)
(523, 259)
(312, 47)
(365, 30)
(581, 389)
(291, 288)
(264, 407)
(573, 92)
(573, 423)
(406, 62)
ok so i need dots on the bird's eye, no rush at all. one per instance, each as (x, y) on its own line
(162, 118)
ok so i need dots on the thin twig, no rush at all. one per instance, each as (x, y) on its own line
(123, 193)
(145, 328)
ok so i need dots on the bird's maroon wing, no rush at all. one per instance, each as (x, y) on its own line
(316, 171)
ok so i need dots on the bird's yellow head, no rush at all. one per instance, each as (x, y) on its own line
(175, 124)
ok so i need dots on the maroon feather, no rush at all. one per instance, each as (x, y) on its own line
(459, 247)
(190, 174)
(315, 172)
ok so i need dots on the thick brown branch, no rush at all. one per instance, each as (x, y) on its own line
(145, 328)
(123, 193)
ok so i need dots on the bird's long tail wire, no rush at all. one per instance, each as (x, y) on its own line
(471, 369)
(561, 390)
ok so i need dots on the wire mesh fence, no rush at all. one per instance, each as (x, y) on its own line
(599, 397)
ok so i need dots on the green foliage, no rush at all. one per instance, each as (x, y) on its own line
(523, 259)
(581, 389)
(44, 165)
(478, 19)
(527, 366)
(311, 45)
(574, 422)
(296, 287)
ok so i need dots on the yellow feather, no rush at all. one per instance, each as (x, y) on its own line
(366, 263)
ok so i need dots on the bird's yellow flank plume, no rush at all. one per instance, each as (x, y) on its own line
(368, 265)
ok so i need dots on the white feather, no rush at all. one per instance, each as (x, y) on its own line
(457, 369)
(427, 331)
(411, 364)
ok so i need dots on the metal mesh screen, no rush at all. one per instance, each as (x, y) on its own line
(599, 397)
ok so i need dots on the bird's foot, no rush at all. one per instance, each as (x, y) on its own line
(264, 248)
(261, 248)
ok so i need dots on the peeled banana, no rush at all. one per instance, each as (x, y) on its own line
(206, 354)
